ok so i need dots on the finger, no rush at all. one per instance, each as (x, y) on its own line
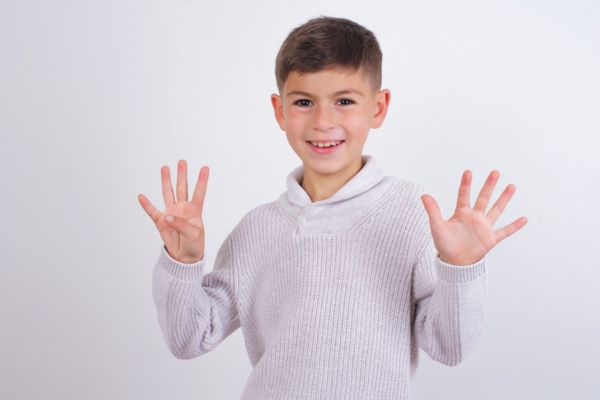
(501, 203)
(432, 209)
(464, 191)
(184, 228)
(200, 190)
(167, 188)
(182, 189)
(149, 208)
(508, 230)
(486, 192)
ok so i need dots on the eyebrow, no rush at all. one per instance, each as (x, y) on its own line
(349, 91)
(338, 93)
(299, 93)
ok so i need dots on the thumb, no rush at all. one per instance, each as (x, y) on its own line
(432, 209)
(188, 231)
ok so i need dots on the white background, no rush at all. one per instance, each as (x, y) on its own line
(95, 96)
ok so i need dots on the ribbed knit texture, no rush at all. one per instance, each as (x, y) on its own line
(333, 297)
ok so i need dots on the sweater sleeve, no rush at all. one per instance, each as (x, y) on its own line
(196, 312)
(450, 303)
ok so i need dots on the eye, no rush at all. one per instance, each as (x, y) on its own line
(345, 102)
(303, 103)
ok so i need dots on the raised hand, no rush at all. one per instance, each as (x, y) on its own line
(469, 235)
(180, 225)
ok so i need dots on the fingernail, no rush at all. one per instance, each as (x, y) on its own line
(169, 218)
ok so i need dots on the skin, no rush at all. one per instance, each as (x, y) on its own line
(324, 106)
(180, 225)
(335, 105)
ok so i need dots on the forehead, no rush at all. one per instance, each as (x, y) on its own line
(328, 81)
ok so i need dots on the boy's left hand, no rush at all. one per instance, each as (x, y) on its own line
(469, 235)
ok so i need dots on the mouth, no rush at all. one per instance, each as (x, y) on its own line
(326, 144)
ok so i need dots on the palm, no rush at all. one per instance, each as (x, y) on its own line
(175, 241)
(469, 235)
(184, 236)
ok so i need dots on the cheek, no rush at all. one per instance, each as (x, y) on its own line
(295, 124)
(357, 125)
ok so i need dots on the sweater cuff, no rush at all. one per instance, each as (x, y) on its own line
(460, 274)
(186, 272)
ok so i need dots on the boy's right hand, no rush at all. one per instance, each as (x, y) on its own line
(180, 225)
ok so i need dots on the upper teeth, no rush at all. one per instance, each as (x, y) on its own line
(329, 144)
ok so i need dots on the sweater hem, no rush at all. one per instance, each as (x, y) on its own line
(186, 272)
(460, 274)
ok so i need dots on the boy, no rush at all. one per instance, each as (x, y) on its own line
(338, 282)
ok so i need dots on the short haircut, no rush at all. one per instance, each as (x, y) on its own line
(329, 43)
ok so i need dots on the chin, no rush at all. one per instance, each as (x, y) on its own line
(326, 167)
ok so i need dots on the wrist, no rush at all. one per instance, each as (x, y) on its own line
(189, 260)
(185, 259)
(458, 261)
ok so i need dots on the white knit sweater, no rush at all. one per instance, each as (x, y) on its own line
(334, 297)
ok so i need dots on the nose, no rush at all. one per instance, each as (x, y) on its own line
(324, 118)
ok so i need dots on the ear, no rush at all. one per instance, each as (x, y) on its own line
(382, 101)
(278, 109)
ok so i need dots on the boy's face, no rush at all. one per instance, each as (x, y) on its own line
(327, 116)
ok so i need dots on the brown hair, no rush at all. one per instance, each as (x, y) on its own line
(326, 42)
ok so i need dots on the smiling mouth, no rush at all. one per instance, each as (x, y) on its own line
(326, 144)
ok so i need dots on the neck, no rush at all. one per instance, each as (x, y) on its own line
(323, 186)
